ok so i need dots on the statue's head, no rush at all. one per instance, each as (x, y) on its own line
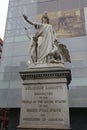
(45, 18)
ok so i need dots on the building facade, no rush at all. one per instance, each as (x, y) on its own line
(1, 45)
(16, 46)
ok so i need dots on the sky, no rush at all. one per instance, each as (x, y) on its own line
(3, 15)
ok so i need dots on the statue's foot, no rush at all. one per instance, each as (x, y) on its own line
(56, 61)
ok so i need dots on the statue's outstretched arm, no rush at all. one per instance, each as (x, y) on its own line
(27, 20)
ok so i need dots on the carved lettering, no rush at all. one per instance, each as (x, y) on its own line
(31, 119)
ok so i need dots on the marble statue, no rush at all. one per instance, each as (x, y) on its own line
(44, 47)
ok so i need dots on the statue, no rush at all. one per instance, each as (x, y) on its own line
(61, 54)
(45, 48)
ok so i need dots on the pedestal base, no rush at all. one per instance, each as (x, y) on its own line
(26, 128)
(45, 99)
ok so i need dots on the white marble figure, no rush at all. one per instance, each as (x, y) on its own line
(44, 47)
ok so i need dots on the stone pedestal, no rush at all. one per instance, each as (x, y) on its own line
(45, 99)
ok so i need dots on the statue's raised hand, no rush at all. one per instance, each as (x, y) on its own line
(25, 17)
(27, 20)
